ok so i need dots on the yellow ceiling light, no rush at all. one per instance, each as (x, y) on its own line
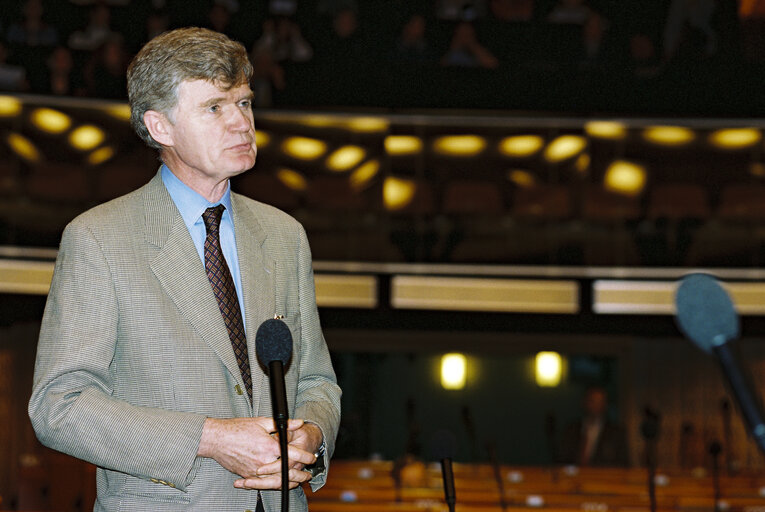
(565, 147)
(735, 138)
(368, 124)
(345, 158)
(669, 135)
(86, 137)
(364, 174)
(625, 178)
(9, 106)
(520, 146)
(317, 121)
(521, 178)
(548, 369)
(304, 148)
(613, 130)
(101, 155)
(23, 147)
(397, 145)
(398, 192)
(453, 371)
(50, 120)
(262, 139)
(119, 111)
(459, 145)
(292, 179)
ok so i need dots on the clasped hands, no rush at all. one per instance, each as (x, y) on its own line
(249, 448)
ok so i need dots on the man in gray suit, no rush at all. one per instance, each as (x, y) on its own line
(136, 368)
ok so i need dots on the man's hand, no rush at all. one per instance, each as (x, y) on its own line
(245, 445)
(304, 441)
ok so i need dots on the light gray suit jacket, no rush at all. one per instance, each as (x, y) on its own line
(133, 353)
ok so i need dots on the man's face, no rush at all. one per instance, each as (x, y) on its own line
(212, 132)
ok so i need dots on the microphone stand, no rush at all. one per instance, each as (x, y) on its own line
(490, 447)
(650, 430)
(276, 371)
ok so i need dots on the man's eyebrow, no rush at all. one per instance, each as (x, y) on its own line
(212, 101)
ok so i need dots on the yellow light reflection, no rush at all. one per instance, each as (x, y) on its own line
(50, 120)
(398, 192)
(757, 169)
(86, 137)
(345, 158)
(368, 124)
(565, 147)
(612, 130)
(262, 139)
(548, 369)
(119, 111)
(304, 148)
(101, 155)
(735, 138)
(459, 145)
(23, 147)
(669, 135)
(397, 145)
(625, 177)
(317, 121)
(9, 106)
(583, 163)
(520, 146)
(521, 178)
(292, 179)
(364, 174)
(453, 371)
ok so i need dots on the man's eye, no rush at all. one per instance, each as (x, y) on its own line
(245, 103)
(214, 108)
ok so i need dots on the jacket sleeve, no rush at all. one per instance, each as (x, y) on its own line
(72, 407)
(318, 398)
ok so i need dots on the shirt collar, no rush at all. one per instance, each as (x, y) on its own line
(190, 203)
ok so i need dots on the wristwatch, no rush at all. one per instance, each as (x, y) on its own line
(318, 466)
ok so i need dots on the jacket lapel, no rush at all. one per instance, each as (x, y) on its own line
(179, 270)
(257, 272)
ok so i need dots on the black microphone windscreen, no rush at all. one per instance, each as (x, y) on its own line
(273, 342)
(443, 445)
(705, 312)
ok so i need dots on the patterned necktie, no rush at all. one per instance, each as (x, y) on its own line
(225, 291)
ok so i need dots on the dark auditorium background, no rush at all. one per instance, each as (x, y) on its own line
(492, 178)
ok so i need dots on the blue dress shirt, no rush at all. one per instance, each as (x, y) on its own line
(191, 205)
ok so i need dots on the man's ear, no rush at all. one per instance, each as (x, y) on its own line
(159, 126)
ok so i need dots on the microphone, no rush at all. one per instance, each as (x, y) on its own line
(443, 447)
(705, 314)
(273, 345)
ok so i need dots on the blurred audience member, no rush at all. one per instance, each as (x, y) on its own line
(688, 30)
(157, 22)
(12, 77)
(579, 12)
(97, 31)
(512, 10)
(594, 440)
(466, 51)
(412, 45)
(105, 72)
(460, 10)
(32, 30)
(645, 62)
(62, 79)
(219, 17)
(283, 40)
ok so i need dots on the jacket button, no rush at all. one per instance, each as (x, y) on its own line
(238, 389)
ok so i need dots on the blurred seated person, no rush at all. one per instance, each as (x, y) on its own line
(32, 30)
(13, 78)
(106, 70)
(96, 32)
(412, 45)
(594, 440)
(579, 12)
(512, 10)
(466, 51)
(283, 40)
(63, 79)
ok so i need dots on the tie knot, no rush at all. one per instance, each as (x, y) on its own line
(212, 217)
